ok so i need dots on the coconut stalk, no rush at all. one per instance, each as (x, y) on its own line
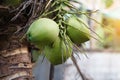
(83, 76)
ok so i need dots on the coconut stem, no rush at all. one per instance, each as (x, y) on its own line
(78, 69)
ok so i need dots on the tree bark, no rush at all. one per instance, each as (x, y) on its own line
(15, 64)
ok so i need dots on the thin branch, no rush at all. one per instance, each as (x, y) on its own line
(78, 69)
(23, 8)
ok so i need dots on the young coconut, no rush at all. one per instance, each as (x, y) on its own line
(59, 52)
(77, 31)
(43, 32)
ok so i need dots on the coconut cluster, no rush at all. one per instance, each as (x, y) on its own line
(44, 33)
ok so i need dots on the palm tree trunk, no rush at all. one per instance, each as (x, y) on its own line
(15, 64)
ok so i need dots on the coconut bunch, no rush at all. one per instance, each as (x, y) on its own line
(58, 30)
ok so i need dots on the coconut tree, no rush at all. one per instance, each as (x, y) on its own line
(18, 39)
(15, 17)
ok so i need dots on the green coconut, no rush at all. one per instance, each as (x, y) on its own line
(43, 32)
(77, 31)
(59, 52)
